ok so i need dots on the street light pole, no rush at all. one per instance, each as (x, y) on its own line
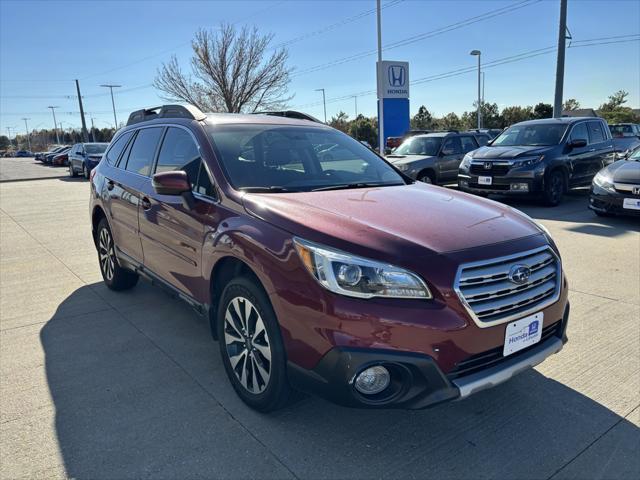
(113, 104)
(355, 99)
(324, 103)
(477, 53)
(483, 88)
(562, 40)
(379, 86)
(55, 123)
(26, 127)
(9, 132)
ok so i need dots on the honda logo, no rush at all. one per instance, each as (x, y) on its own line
(636, 190)
(397, 76)
(487, 165)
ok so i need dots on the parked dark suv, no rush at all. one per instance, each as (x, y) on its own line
(435, 157)
(83, 157)
(540, 157)
(342, 277)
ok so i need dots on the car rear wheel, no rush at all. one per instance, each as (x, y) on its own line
(553, 189)
(114, 276)
(251, 347)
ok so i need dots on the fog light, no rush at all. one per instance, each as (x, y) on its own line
(520, 187)
(464, 183)
(372, 380)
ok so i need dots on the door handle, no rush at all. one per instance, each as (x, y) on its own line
(592, 150)
(146, 203)
(110, 184)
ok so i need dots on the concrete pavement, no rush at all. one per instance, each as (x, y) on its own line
(98, 384)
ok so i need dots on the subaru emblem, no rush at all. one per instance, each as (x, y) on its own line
(487, 165)
(519, 274)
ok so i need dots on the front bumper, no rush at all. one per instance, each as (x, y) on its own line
(417, 380)
(604, 201)
(502, 183)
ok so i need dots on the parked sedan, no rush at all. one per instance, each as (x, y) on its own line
(616, 188)
(435, 157)
(84, 157)
(61, 159)
(626, 138)
(48, 157)
(23, 154)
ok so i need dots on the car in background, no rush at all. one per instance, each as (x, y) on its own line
(61, 159)
(345, 279)
(435, 157)
(492, 132)
(616, 188)
(23, 154)
(84, 157)
(391, 143)
(543, 158)
(48, 156)
(626, 138)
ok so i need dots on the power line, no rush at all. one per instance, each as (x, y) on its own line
(422, 36)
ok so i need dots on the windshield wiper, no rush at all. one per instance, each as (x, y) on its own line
(274, 189)
(344, 186)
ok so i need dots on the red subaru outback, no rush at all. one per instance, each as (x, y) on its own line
(341, 277)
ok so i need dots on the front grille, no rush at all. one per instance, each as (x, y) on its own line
(493, 357)
(492, 297)
(496, 169)
(490, 187)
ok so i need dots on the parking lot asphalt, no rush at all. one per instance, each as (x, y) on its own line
(27, 168)
(98, 384)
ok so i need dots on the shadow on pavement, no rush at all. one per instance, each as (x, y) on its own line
(139, 391)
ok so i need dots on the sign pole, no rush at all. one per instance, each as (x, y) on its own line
(378, 80)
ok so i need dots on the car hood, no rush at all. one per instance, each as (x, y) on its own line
(402, 159)
(625, 171)
(415, 219)
(507, 153)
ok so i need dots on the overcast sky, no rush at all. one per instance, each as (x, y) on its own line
(45, 45)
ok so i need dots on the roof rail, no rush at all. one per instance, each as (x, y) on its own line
(290, 114)
(166, 111)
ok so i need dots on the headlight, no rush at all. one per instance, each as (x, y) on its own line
(403, 167)
(466, 161)
(529, 161)
(353, 276)
(603, 180)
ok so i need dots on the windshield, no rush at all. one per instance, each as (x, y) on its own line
(419, 146)
(541, 134)
(620, 129)
(286, 158)
(635, 155)
(95, 148)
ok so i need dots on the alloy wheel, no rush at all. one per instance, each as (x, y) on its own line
(106, 254)
(247, 345)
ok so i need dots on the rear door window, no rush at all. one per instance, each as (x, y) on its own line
(468, 144)
(117, 147)
(595, 132)
(142, 152)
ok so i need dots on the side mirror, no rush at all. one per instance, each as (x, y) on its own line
(578, 143)
(174, 183)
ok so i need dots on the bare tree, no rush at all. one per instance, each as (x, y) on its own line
(231, 72)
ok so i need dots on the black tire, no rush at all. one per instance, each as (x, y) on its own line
(115, 277)
(553, 189)
(250, 362)
(426, 178)
(72, 171)
(85, 171)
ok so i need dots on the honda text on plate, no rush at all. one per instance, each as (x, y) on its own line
(334, 275)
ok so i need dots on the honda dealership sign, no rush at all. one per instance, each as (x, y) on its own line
(393, 91)
(393, 78)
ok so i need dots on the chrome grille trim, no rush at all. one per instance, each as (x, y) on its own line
(491, 298)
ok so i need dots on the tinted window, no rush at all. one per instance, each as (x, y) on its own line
(452, 146)
(179, 152)
(419, 146)
(468, 144)
(482, 140)
(265, 156)
(580, 132)
(143, 149)
(538, 134)
(595, 132)
(94, 148)
(204, 185)
(117, 147)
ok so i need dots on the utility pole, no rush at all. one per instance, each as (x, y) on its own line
(55, 123)
(483, 88)
(85, 135)
(378, 73)
(26, 127)
(93, 130)
(355, 99)
(9, 132)
(113, 104)
(562, 40)
(324, 103)
(478, 53)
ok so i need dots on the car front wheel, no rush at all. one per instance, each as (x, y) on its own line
(553, 189)
(72, 172)
(251, 347)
